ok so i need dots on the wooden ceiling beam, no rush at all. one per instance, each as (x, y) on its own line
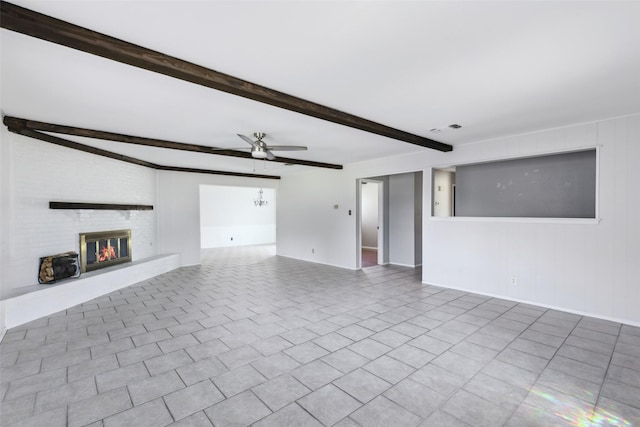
(104, 153)
(19, 123)
(29, 22)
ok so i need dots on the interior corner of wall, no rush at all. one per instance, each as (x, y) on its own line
(3, 321)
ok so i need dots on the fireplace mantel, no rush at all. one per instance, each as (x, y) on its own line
(99, 206)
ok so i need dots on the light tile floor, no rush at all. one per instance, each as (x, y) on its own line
(252, 338)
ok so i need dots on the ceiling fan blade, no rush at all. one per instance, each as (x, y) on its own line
(270, 155)
(247, 139)
(230, 149)
(287, 147)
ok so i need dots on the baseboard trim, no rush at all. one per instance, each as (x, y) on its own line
(404, 265)
(553, 307)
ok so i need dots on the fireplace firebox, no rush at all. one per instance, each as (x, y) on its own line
(104, 249)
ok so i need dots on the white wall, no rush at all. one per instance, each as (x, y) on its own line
(229, 217)
(36, 172)
(179, 209)
(307, 219)
(588, 268)
(370, 214)
(582, 267)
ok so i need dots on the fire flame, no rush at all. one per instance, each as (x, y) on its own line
(107, 253)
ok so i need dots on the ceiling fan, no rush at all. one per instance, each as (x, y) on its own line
(260, 149)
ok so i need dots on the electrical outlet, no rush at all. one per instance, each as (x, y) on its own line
(514, 280)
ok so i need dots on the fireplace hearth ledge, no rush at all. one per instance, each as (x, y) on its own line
(23, 305)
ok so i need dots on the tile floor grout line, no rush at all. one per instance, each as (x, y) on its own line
(549, 361)
(604, 378)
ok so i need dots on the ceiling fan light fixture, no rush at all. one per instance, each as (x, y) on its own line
(259, 153)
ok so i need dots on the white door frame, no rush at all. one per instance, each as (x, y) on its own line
(359, 183)
(380, 222)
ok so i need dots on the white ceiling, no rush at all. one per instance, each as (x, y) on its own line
(496, 68)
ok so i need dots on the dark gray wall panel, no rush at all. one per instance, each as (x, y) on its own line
(554, 186)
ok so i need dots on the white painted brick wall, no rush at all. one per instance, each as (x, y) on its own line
(41, 172)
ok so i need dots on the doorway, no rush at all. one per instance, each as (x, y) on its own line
(371, 223)
(444, 187)
(237, 216)
(389, 220)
